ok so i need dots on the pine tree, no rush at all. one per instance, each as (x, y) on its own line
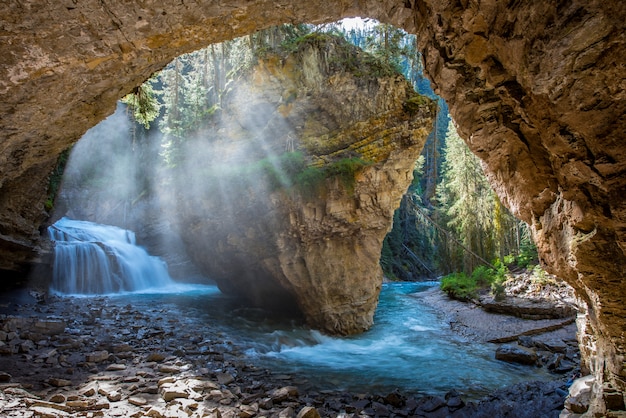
(466, 201)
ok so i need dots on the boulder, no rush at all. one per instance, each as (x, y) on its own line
(516, 354)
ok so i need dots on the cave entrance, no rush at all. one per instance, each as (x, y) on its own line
(550, 139)
(118, 183)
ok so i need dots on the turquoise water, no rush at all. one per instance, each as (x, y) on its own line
(410, 347)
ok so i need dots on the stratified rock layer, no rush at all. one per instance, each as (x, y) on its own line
(537, 89)
(281, 235)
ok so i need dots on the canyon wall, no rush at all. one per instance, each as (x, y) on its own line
(286, 198)
(537, 90)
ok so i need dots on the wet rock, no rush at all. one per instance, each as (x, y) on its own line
(5, 377)
(613, 399)
(137, 401)
(115, 367)
(564, 367)
(454, 400)
(155, 412)
(380, 410)
(516, 354)
(166, 380)
(225, 378)
(580, 395)
(360, 404)
(432, 403)
(157, 357)
(166, 368)
(121, 348)
(266, 403)
(552, 345)
(97, 356)
(58, 398)
(59, 382)
(172, 392)
(50, 326)
(394, 399)
(284, 393)
(114, 396)
(308, 412)
(286, 413)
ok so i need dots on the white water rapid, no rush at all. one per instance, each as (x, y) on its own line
(95, 259)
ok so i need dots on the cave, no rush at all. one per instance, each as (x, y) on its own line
(537, 92)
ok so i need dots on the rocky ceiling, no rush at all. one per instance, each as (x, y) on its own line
(538, 90)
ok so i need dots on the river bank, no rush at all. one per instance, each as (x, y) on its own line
(89, 357)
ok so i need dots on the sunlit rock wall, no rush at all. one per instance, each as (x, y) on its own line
(538, 92)
(283, 242)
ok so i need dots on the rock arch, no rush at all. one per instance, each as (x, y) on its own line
(537, 89)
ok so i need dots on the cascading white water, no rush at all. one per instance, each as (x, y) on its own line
(91, 258)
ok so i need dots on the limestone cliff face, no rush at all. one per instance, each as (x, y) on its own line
(537, 89)
(287, 242)
(538, 92)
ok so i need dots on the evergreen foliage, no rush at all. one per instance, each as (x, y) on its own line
(143, 104)
(467, 204)
(55, 179)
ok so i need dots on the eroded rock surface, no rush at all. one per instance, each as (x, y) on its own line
(305, 170)
(536, 89)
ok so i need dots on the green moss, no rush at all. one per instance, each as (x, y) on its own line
(346, 169)
(310, 180)
(414, 104)
(54, 182)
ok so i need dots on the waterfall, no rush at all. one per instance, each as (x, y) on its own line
(91, 258)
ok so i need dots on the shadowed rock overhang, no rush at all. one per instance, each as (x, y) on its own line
(537, 90)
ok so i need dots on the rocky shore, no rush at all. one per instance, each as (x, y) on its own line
(72, 357)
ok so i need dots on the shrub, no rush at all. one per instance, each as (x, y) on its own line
(528, 255)
(310, 179)
(459, 286)
(463, 287)
(346, 170)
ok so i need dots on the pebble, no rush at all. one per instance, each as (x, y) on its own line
(156, 357)
(169, 369)
(225, 378)
(58, 398)
(308, 412)
(59, 382)
(172, 392)
(137, 401)
(115, 367)
(97, 356)
(213, 382)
